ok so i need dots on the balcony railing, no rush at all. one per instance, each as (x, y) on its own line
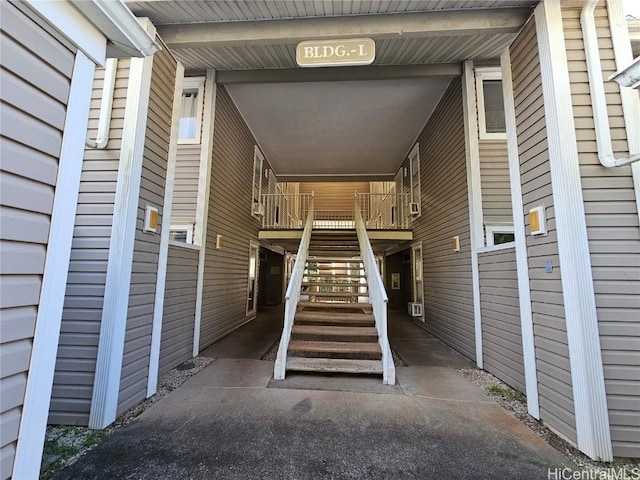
(380, 211)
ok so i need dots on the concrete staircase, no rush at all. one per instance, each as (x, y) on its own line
(334, 329)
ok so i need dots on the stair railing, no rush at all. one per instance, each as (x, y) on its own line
(377, 296)
(292, 297)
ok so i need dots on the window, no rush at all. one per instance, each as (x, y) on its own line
(181, 233)
(258, 159)
(416, 277)
(414, 174)
(491, 121)
(191, 110)
(499, 234)
(252, 281)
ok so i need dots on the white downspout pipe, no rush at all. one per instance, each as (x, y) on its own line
(106, 104)
(596, 88)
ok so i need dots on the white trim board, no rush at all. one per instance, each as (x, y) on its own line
(474, 189)
(163, 255)
(35, 409)
(106, 387)
(204, 192)
(585, 355)
(522, 262)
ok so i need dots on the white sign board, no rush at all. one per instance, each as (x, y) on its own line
(336, 53)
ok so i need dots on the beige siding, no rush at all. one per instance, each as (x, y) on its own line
(614, 239)
(501, 330)
(78, 347)
(496, 187)
(176, 344)
(35, 77)
(334, 195)
(226, 270)
(185, 190)
(137, 343)
(448, 296)
(552, 353)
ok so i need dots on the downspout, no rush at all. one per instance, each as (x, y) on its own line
(596, 88)
(106, 104)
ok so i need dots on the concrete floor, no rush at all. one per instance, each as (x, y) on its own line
(233, 421)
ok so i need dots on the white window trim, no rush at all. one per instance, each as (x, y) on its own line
(252, 313)
(482, 74)
(415, 281)
(191, 83)
(415, 153)
(491, 229)
(257, 157)
(186, 227)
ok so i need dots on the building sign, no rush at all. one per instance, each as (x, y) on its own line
(336, 53)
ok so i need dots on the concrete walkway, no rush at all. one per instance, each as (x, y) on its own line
(232, 421)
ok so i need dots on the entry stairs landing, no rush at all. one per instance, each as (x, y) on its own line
(334, 328)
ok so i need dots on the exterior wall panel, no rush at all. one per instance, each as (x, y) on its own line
(224, 305)
(36, 73)
(448, 295)
(501, 330)
(496, 189)
(614, 237)
(334, 195)
(550, 333)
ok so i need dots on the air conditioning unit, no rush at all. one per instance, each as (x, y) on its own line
(258, 209)
(415, 309)
(414, 208)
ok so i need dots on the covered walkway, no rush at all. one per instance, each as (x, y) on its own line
(232, 421)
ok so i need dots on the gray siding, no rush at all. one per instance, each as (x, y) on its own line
(614, 239)
(36, 72)
(176, 344)
(552, 353)
(448, 295)
(226, 270)
(496, 188)
(501, 330)
(185, 190)
(137, 343)
(78, 347)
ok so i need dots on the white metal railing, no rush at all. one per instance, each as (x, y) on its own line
(285, 211)
(385, 211)
(292, 297)
(377, 296)
(333, 220)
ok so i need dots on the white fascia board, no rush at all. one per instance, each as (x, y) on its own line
(629, 76)
(106, 388)
(522, 261)
(585, 354)
(204, 190)
(474, 186)
(35, 409)
(163, 256)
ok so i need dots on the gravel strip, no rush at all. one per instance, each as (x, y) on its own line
(516, 403)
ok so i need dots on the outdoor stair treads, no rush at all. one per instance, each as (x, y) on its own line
(324, 349)
(333, 365)
(356, 306)
(335, 333)
(346, 319)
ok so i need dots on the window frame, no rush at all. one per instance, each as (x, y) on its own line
(482, 74)
(193, 83)
(491, 229)
(256, 184)
(415, 154)
(182, 227)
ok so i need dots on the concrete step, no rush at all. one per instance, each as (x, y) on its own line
(326, 305)
(331, 318)
(335, 333)
(334, 284)
(334, 365)
(337, 275)
(333, 294)
(326, 349)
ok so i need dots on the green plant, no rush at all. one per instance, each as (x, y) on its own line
(507, 393)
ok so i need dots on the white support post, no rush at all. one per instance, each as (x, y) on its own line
(113, 325)
(522, 262)
(35, 410)
(474, 189)
(585, 355)
(204, 190)
(163, 256)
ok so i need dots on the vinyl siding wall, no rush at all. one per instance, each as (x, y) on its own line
(185, 190)
(36, 73)
(82, 314)
(226, 270)
(176, 344)
(496, 188)
(552, 353)
(137, 343)
(614, 237)
(334, 195)
(448, 295)
(501, 330)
